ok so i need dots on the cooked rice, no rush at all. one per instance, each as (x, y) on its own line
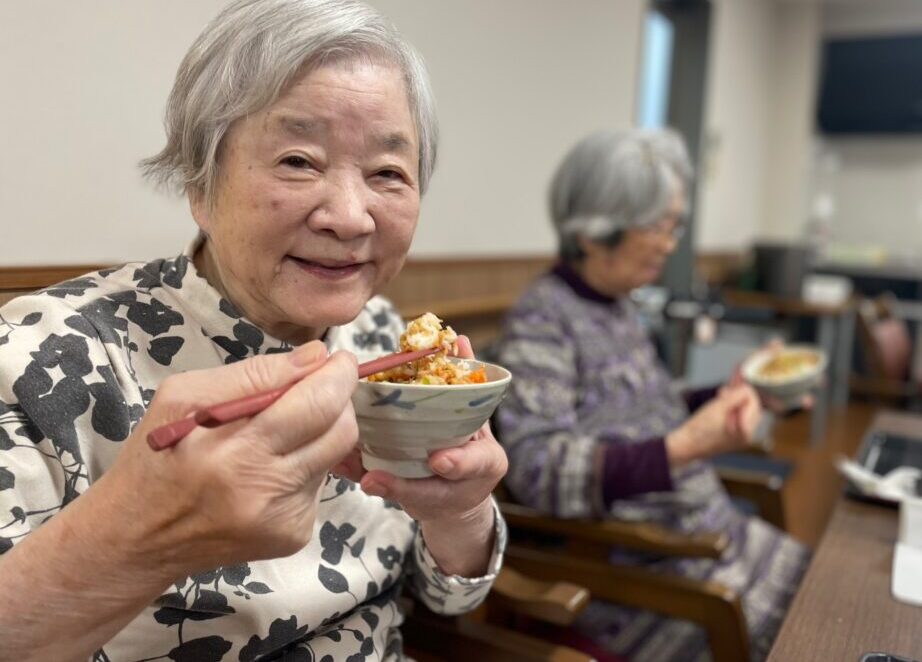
(426, 332)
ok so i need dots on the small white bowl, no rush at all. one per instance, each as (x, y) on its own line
(789, 391)
(401, 424)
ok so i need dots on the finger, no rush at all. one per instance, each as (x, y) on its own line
(181, 394)
(478, 458)
(727, 393)
(731, 423)
(410, 493)
(752, 392)
(350, 467)
(772, 404)
(426, 498)
(353, 469)
(308, 408)
(750, 415)
(465, 350)
(317, 457)
(752, 402)
(736, 378)
(736, 395)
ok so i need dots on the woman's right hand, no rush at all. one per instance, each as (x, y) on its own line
(246, 490)
(726, 423)
(243, 491)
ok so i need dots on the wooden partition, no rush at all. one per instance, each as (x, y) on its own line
(720, 267)
(471, 294)
(22, 280)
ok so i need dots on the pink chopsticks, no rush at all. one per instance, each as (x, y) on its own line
(225, 412)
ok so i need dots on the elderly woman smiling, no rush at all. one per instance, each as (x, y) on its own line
(303, 133)
(593, 425)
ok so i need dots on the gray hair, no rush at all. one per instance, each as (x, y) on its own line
(246, 56)
(612, 181)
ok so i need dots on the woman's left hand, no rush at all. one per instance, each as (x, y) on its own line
(453, 507)
(771, 404)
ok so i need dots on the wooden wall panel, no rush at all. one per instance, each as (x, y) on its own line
(471, 294)
(421, 281)
(429, 281)
(31, 278)
(719, 268)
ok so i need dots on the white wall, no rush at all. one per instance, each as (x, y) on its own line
(757, 165)
(84, 85)
(765, 163)
(518, 82)
(737, 113)
(876, 182)
(792, 103)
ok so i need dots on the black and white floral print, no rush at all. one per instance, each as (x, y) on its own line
(79, 365)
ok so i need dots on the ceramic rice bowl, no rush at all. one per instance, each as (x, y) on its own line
(401, 424)
(791, 390)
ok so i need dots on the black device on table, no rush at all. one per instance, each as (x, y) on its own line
(884, 657)
(882, 452)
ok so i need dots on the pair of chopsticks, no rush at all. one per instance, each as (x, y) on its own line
(171, 434)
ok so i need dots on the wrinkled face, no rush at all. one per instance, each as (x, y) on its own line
(639, 257)
(316, 201)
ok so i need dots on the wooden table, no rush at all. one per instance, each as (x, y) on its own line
(844, 608)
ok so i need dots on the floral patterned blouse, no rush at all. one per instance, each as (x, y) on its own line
(79, 364)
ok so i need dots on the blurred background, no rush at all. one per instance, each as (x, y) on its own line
(804, 119)
(773, 96)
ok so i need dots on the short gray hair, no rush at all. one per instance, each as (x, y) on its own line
(612, 181)
(242, 62)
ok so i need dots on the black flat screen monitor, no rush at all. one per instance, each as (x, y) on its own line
(871, 85)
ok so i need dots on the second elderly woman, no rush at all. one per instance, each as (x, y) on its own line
(303, 134)
(593, 424)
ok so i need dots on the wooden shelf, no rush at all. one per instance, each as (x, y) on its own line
(784, 305)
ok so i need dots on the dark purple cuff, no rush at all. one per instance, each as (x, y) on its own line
(634, 468)
(695, 399)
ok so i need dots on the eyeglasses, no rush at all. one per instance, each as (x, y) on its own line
(669, 225)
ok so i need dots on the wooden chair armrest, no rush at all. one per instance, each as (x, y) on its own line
(557, 603)
(711, 605)
(638, 536)
(430, 637)
(761, 489)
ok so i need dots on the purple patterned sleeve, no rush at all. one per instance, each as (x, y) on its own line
(629, 469)
(553, 465)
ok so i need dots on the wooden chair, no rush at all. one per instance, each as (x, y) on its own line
(487, 635)
(584, 559)
(763, 490)
(886, 347)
